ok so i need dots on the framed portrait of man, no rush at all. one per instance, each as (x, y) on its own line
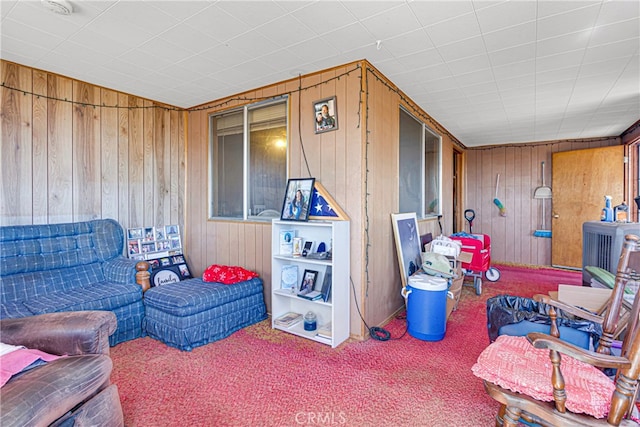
(326, 115)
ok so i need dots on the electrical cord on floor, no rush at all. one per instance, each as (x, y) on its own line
(377, 333)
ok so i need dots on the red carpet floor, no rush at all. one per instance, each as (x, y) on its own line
(262, 377)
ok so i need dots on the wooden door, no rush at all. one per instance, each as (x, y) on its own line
(580, 180)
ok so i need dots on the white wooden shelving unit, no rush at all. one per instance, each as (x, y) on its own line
(335, 236)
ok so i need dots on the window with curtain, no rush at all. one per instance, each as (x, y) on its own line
(248, 161)
(419, 168)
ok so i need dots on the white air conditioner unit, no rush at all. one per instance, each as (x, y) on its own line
(602, 245)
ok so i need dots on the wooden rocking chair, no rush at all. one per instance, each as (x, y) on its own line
(532, 381)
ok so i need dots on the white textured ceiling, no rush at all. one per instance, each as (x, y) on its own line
(491, 72)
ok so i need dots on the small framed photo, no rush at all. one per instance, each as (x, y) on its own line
(297, 197)
(159, 233)
(134, 247)
(149, 235)
(171, 230)
(308, 282)
(148, 247)
(135, 233)
(308, 246)
(326, 115)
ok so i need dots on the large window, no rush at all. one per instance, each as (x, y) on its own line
(248, 163)
(419, 186)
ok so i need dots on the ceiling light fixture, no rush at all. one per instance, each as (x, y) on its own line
(61, 7)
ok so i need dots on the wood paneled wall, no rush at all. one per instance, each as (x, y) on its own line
(73, 151)
(520, 172)
(68, 155)
(334, 158)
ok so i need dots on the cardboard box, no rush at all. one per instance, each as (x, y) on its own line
(592, 299)
(456, 290)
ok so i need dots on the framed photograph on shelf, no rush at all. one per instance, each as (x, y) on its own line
(171, 230)
(135, 233)
(134, 247)
(297, 197)
(308, 282)
(326, 115)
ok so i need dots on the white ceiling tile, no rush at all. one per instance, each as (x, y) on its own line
(512, 54)
(163, 49)
(365, 9)
(273, 31)
(453, 30)
(141, 15)
(99, 42)
(144, 58)
(406, 43)
(120, 30)
(548, 8)
(181, 10)
(391, 23)
(475, 78)
(510, 37)
(569, 22)
(189, 38)
(419, 60)
(348, 38)
(506, 14)
(30, 35)
(445, 83)
(629, 29)
(469, 47)
(514, 69)
(618, 11)
(218, 24)
(34, 14)
(559, 61)
(470, 64)
(8, 6)
(517, 84)
(558, 75)
(438, 11)
(15, 46)
(622, 49)
(564, 43)
(436, 72)
(321, 17)
(311, 50)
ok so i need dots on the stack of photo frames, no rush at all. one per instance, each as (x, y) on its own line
(162, 248)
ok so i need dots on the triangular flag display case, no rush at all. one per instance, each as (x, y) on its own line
(323, 207)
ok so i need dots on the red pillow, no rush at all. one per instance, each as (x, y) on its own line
(227, 274)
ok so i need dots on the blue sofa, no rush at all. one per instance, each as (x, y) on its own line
(71, 267)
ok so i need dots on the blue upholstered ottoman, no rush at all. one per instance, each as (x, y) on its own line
(192, 313)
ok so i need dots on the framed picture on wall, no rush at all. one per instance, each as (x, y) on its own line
(297, 197)
(407, 237)
(326, 115)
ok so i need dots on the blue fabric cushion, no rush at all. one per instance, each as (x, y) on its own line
(194, 295)
(14, 309)
(21, 287)
(570, 335)
(100, 296)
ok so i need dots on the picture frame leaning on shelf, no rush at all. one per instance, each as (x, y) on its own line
(308, 282)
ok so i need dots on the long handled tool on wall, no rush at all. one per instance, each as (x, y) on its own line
(543, 193)
(497, 202)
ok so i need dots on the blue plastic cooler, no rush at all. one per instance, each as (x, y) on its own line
(426, 306)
